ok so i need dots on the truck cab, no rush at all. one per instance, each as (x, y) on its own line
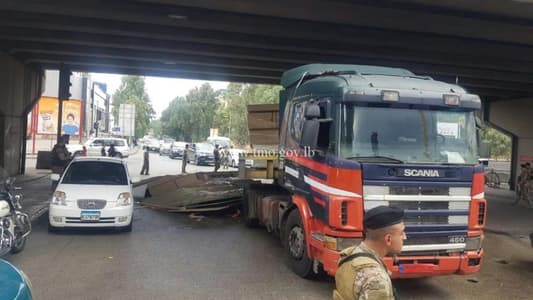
(356, 137)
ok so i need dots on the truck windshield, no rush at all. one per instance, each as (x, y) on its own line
(385, 134)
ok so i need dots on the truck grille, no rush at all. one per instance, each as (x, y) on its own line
(435, 216)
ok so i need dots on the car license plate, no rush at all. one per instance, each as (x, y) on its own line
(90, 215)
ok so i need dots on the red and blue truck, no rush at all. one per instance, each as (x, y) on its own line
(353, 137)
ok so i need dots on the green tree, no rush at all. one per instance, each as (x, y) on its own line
(132, 91)
(191, 117)
(499, 144)
(232, 117)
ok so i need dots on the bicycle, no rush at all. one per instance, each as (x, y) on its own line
(492, 179)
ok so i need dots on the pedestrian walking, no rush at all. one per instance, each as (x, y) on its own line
(225, 158)
(102, 151)
(146, 162)
(184, 159)
(216, 154)
(362, 274)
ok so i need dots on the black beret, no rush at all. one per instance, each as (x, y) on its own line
(382, 216)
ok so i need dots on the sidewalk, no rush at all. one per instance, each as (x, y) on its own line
(36, 190)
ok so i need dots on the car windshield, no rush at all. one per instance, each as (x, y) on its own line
(96, 172)
(401, 135)
(204, 147)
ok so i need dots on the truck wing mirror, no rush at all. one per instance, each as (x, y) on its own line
(312, 111)
(310, 133)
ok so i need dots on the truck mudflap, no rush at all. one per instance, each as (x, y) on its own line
(411, 266)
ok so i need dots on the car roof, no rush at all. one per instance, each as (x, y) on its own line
(106, 138)
(98, 158)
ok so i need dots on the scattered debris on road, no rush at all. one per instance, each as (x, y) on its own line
(198, 192)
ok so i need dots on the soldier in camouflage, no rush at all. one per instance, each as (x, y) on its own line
(362, 274)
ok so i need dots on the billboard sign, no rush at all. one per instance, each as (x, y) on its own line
(47, 116)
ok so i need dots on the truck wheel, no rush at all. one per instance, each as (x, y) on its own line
(296, 248)
(248, 195)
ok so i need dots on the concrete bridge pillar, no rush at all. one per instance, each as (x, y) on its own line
(514, 117)
(20, 88)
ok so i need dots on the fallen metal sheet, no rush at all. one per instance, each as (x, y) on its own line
(199, 192)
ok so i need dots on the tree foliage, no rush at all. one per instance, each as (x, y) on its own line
(132, 91)
(499, 144)
(189, 118)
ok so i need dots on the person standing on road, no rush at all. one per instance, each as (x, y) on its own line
(111, 151)
(60, 156)
(216, 154)
(184, 159)
(362, 274)
(146, 162)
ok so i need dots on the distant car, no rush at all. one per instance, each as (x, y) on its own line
(14, 284)
(94, 146)
(177, 149)
(201, 154)
(222, 142)
(234, 155)
(165, 148)
(93, 192)
(153, 145)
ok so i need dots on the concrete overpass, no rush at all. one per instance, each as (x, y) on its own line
(485, 46)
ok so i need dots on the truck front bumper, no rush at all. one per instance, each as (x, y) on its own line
(467, 262)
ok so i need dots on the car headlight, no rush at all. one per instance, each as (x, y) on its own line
(124, 199)
(59, 198)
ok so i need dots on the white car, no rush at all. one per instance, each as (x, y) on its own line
(234, 155)
(93, 192)
(94, 146)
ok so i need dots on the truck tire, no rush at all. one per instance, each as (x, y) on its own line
(296, 248)
(246, 198)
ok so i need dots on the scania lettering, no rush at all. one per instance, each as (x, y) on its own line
(355, 137)
(423, 173)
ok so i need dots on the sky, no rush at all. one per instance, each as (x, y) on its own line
(160, 90)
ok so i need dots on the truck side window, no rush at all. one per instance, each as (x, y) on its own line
(297, 121)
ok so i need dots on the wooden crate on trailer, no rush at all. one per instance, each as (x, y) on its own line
(263, 121)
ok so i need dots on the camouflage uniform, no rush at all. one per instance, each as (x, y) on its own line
(363, 278)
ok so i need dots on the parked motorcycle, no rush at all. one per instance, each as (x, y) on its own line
(15, 226)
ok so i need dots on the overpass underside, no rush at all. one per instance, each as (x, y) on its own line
(483, 46)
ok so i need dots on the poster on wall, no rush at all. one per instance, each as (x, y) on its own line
(71, 117)
(47, 116)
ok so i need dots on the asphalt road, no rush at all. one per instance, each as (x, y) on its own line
(174, 256)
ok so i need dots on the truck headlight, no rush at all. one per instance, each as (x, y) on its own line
(124, 199)
(473, 243)
(59, 198)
